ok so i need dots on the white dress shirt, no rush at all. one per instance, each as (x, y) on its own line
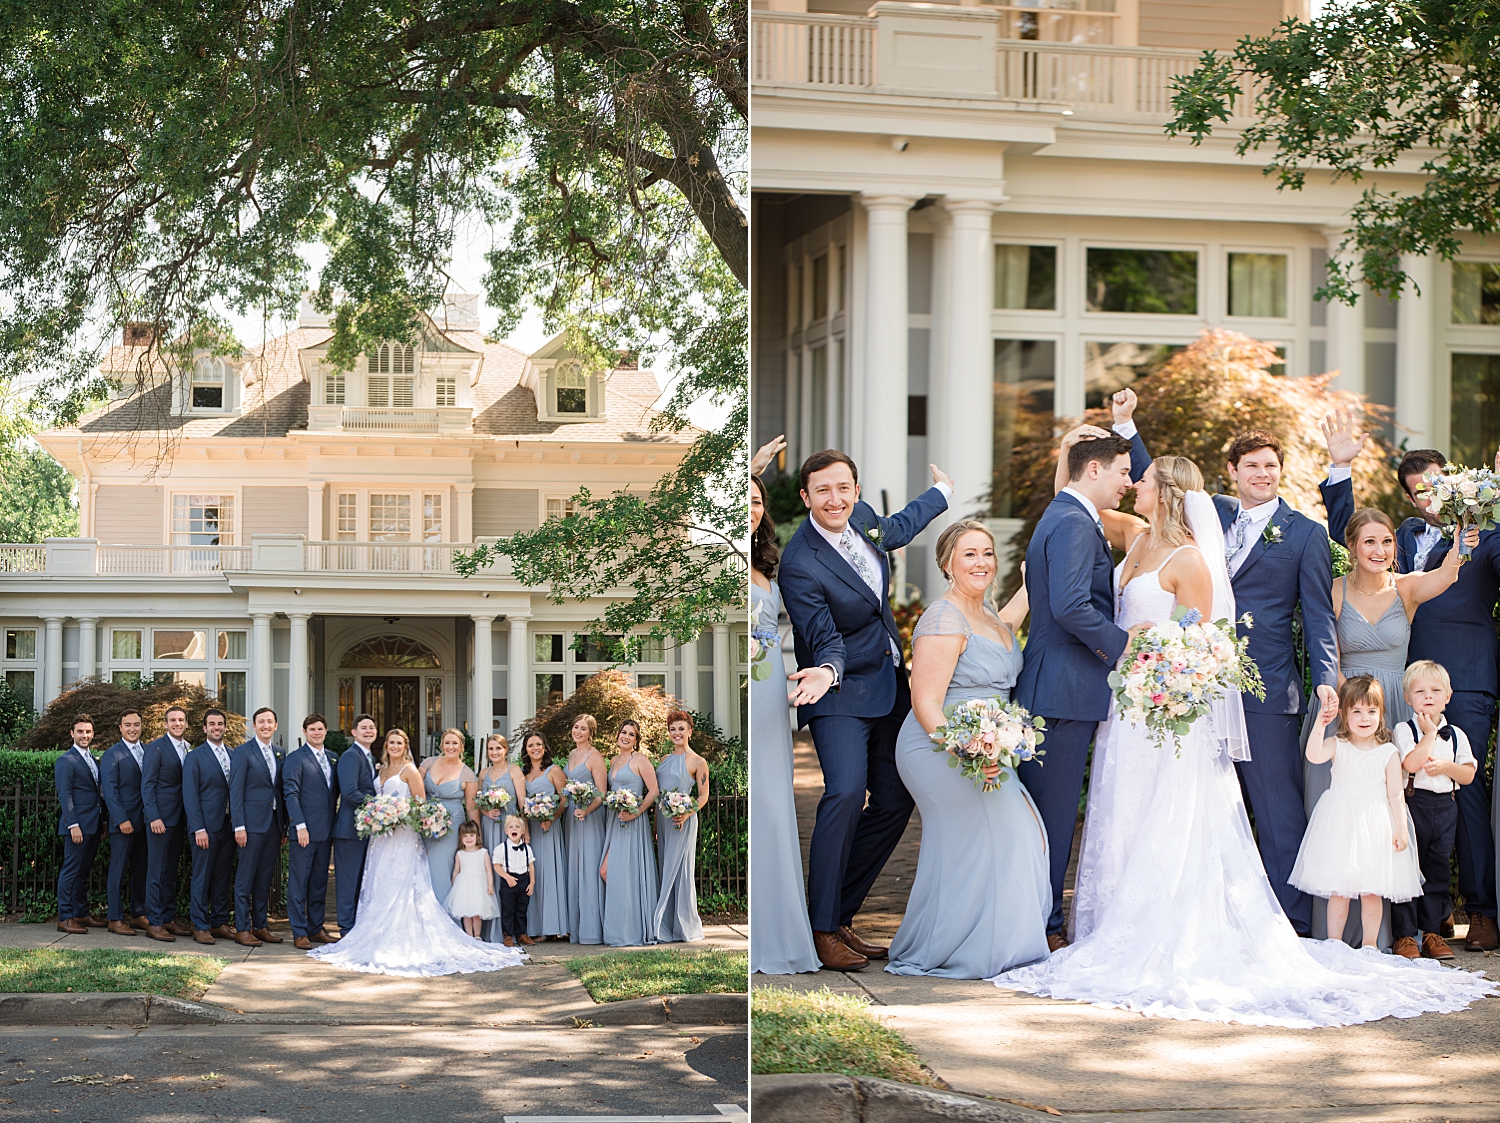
(222, 755)
(1456, 750)
(513, 858)
(1426, 541)
(181, 747)
(1260, 518)
(270, 758)
(137, 752)
(1088, 505)
(93, 770)
(322, 759)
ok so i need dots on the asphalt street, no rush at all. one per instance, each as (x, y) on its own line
(364, 1073)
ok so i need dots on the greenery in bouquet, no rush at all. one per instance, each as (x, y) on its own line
(580, 793)
(381, 814)
(1464, 497)
(622, 800)
(492, 799)
(430, 818)
(984, 733)
(678, 803)
(762, 640)
(542, 806)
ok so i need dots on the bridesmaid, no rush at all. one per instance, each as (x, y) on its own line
(453, 783)
(676, 916)
(783, 943)
(585, 833)
(504, 774)
(547, 914)
(629, 867)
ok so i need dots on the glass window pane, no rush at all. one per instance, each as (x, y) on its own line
(20, 643)
(647, 681)
(794, 297)
(549, 689)
(598, 650)
(819, 394)
(202, 520)
(187, 678)
(346, 703)
(1024, 387)
(131, 680)
(548, 647)
(820, 287)
(178, 645)
(1026, 277)
(1476, 293)
(390, 518)
(1108, 367)
(743, 647)
(234, 645)
(652, 649)
(23, 683)
(1164, 282)
(579, 680)
(432, 517)
(232, 691)
(1476, 408)
(1257, 284)
(348, 525)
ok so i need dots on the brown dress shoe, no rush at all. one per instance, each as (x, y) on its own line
(525, 939)
(139, 923)
(120, 928)
(265, 936)
(178, 928)
(322, 937)
(92, 922)
(1483, 935)
(837, 955)
(1445, 929)
(302, 943)
(1056, 941)
(510, 941)
(1406, 948)
(203, 937)
(222, 931)
(863, 947)
(157, 932)
(245, 939)
(72, 928)
(1435, 947)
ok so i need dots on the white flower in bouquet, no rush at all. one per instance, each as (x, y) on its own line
(1464, 497)
(622, 800)
(380, 815)
(984, 733)
(492, 799)
(678, 803)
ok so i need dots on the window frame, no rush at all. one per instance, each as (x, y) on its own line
(1059, 281)
(194, 381)
(1294, 297)
(1203, 290)
(233, 493)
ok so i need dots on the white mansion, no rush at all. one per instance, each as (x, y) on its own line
(968, 220)
(285, 535)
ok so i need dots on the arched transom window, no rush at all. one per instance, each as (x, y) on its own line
(390, 653)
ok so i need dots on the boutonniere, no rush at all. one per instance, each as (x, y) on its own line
(1271, 535)
(876, 537)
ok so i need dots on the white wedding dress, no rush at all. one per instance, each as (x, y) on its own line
(401, 927)
(1173, 915)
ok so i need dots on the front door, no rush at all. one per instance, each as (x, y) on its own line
(392, 702)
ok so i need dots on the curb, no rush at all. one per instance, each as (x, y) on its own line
(832, 1098)
(682, 1009)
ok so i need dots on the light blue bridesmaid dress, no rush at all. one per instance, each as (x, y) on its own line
(585, 852)
(982, 893)
(494, 831)
(440, 851)
(630, 891)
(547, 911)
(783, 943)
(676, 916)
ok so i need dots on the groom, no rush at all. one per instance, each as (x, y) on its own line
(834, 576)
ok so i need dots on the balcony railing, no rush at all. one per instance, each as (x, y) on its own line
(385, 557)
(151, 561)
(801, 49)
(1109, 80)
(23, 559)
(363, 419)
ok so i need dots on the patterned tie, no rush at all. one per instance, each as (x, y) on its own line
(139, 754)
(1236, 538)
(271, 768)
(323, 764)
(222, 757)
(89, 760)
(850, 543)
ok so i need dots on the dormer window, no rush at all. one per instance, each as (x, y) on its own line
(334, 389)
(209, 378)
(572, 388)
(446, 390)
(391, 383)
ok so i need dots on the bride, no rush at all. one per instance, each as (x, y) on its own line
(1173, 915)
(403, 929)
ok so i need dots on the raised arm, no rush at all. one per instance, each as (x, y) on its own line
(899, 529)
(1321, 747)
(1068, 591)
(1419, 588)
(1071, 438)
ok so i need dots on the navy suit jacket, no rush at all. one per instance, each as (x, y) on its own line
(1276, 580)
(78, 794)
(161, 782)
(120, 785)
(356, 783)
(253, 802)
(1454, 628)
(839, 620)
(205, 790)
(1073, 642)
(309, 799)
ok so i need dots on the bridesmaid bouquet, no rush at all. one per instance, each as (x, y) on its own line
(762, 640)
(492, 799)
(381, 814)
(988, 731)
(1464, 497)
(678, 803)
(544, 805)
(1172, 672)
(430, 818)
(581, 792)
(622, 800)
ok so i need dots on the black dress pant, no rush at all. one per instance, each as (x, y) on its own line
(513, 902)
(1435, 817)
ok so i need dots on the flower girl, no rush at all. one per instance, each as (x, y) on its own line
(1358, 841)
(472, 898)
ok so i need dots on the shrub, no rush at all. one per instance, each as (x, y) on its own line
(106, 701)
(611, 698)
(16, 715)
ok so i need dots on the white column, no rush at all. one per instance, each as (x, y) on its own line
(52, 658)
(482, 688)
(87, 646)
(723, 679)
(518, 673)
(1346, 329)
(690, 674)
(260, 662)
(883, 447)
(297, 692)
(1414, 356)
(966, 431)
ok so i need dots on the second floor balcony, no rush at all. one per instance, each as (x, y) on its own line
(368, 419)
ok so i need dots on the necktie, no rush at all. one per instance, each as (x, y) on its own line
(1235, 541)
(271, 768)
(181, 747)
(323, 764)
(1429, 538)
(89, 760)
(139, 754)
(222, 757)
(849, 541)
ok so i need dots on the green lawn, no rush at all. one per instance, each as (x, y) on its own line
(820, 1031)
(55, 970)
(643, 974)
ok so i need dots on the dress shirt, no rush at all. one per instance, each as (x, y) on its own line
(327, 774)
(1088, 505)
(181, 747)
(513, 858)
(1260, 518)
(221, 754)
(93, 771)
(1457, 750)
(136, 751)
(270, 759)
(1429, 538)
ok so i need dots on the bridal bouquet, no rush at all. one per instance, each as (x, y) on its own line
(1464, 497)
(982, 732)
(622, 800)
(381, 814)
(1172, 672)
(541, 806)
(678, 803)
(492, 799)
(581, 792)
(430, 818)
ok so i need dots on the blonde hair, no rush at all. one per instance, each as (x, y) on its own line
(948, 541)
(517, 820)
(385, 745)
(1425, 670)
(1175, 477)
(1364, 688)
(457, 732)
(592, 724)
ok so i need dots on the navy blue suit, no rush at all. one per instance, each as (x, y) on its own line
(120, 785)
(255, 805)
(1072, 645)
(205, 804)
(840, 621)
(161, 798)
(356, 783)
(78, 793)
(1455, 629)
(312, 801)
(1277, 580)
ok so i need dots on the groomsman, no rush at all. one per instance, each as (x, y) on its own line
(205, 804)
(259, 821)
(77, 778)
(161, 799)
(356, 782)
(312, 797)
(120, 785)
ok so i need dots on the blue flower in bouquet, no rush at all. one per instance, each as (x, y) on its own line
(983, 734)
(762, 640)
